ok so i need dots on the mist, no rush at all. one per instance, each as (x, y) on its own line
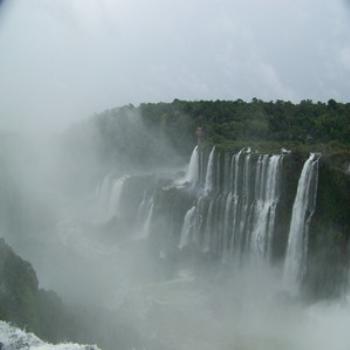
(83, 222)
(96, 196)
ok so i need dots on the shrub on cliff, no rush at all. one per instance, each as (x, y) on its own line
(24, 304)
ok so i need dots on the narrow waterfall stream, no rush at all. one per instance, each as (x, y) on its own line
(208, 186)
(303, 209)
(192, 172)
(187, 228)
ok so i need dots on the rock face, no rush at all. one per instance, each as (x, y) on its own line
(330, 229)
(12, 338)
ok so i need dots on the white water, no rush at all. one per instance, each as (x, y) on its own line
(247, 204)
(208, 187)
(108, 195)
(103, 194)
(114, 202)
(303, 209)
(15, 339)
(146, 228)
(266, 200)
(192, 173)
(245, 194)
(228, 206)
(103, 191)
(235, 167)
(187, 228)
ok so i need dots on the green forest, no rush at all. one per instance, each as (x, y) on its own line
(231, 124)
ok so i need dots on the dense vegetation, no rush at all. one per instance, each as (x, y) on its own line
(24, 304)
(228, 121)
(158, 133)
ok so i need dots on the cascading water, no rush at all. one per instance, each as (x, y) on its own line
(109, 194)
(245, 198)
(303, 210)
(235, 184)
(114, 202)
(192, 174)
(187, 228)
(237, 218)
(228, 207)
(103, 191)
(266, 200)
(144, 217)
(229, 232)
(208, 187)
(149, 213)
(239, 215)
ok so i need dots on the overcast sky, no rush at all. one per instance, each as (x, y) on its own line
(61, 60)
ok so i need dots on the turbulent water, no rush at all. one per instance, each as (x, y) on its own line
(12, 338)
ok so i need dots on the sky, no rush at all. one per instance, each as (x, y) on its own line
(63, 60)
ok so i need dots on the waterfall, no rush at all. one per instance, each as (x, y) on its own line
(245, 201)
(227, 177)
(303, 210)
(148, 211)
(198, 221)
(266, 199)
(108, 196)
(208, 187)
(241, 216)
(115, 197)
(103, 195)
(226, 228)
(238, 220)
(103, 189)
(187, 228)
(141, 209)
(192, 173)
(235, 183)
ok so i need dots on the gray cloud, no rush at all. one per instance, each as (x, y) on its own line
(66, 59)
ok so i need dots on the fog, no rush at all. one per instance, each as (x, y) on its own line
(63, 61)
